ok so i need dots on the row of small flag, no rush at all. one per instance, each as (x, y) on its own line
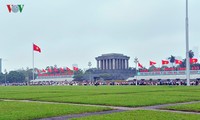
(165, 62)
(50, 70)
(56, 70)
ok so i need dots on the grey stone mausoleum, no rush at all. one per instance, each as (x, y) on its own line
(112, 61)
(115, 66)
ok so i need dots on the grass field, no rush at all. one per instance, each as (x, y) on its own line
(187, 107)
(29, 111)
(142, 115)
(104, 95)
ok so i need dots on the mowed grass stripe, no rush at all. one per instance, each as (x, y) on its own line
(142, 115)
(129, 100)
(195, 107)
(29, 110)
(104, 95)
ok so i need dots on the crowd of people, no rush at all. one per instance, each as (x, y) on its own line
(97, 83)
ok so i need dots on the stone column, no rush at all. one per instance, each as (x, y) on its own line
(103, 64)
(122, 63)
(124, 67)
(117, 63)
(113, 64)
(106, 64)
(110, 64)
(97, 64)
(125, 64)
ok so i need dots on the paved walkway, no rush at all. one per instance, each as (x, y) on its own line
(82, 115)
(115, 109)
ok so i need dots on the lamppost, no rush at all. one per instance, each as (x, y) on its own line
(136, 62)
(5, 76)
(90, 64)
(187, 46)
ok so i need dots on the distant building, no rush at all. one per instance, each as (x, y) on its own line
(166, 75)
(112, 61)
(112, 66)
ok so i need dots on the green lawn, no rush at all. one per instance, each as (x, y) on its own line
(30, 110)
(105, 95)
(187, 107)
(142, 115)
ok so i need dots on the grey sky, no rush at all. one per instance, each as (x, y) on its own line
(77, 31)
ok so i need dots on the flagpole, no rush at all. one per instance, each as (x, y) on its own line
(33, 63)
(187, 46)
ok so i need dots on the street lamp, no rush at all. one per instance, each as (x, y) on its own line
(136, 62)
(5, 76)
(90, 64)
(187, 45)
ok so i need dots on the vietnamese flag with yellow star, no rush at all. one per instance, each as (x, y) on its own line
(36, 48)
(164, 62)
(178, 62)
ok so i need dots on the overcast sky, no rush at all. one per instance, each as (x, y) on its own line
(76, 31)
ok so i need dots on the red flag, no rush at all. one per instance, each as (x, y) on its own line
(61, 70)
(38, 71)
(75, 68)
(49, 70)
(152, 63)
(69, 72)
(193, 60)
(36, 48)
(178, 62)
(140, 65)
(68, 69)
(165, 62)
(43, 70)
(55, 70)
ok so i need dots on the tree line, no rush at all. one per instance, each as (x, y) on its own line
(17, 76)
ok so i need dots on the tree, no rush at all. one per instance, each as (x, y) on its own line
(152, 68)
(183, 64)
(2, 78)
(191, 54)
(28, 73)
(163, 67)
(172, 59)
(15, 77)
(78, 75)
